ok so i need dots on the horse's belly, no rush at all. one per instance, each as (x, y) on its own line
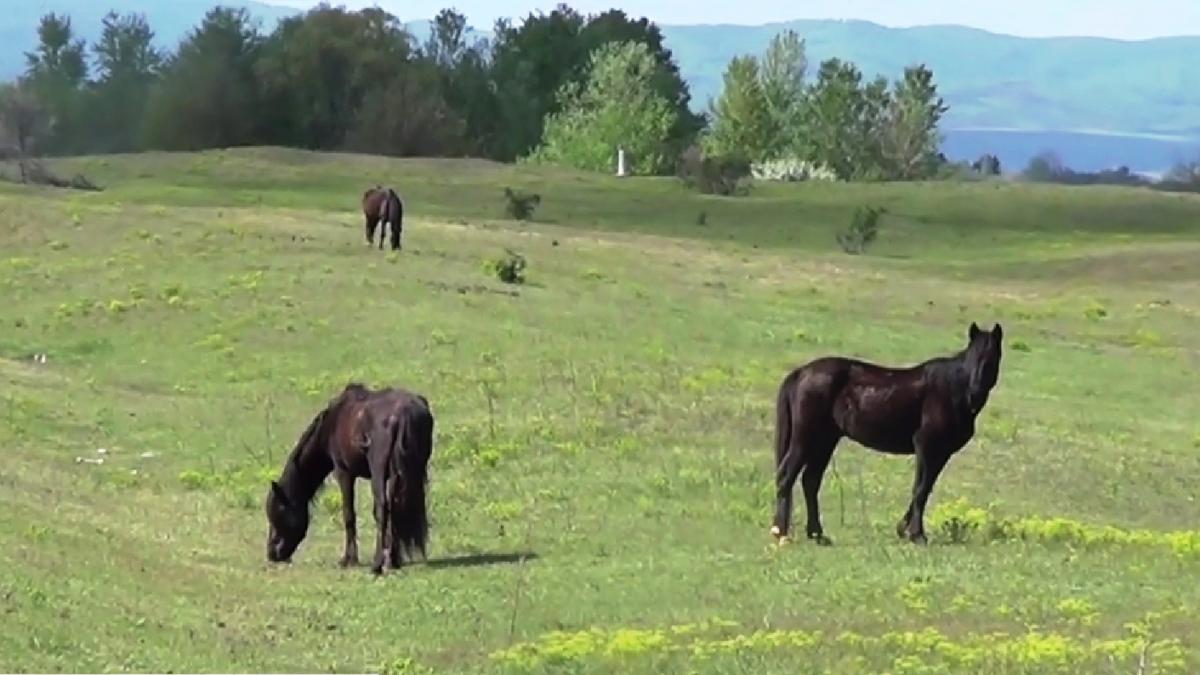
(890, 443)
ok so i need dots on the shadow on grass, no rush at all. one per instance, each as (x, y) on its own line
(481, 559)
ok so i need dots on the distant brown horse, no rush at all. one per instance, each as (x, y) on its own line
(383, 207)
(928, 410)
(385, 436)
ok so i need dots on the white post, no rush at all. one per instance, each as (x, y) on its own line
(621, 169)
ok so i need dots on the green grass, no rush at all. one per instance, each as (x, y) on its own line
(204, 307)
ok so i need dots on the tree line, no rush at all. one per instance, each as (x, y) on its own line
(562, 87)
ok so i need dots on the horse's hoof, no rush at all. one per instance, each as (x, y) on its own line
(918, 538)
(783, 541)
(902, 529)
(820, 540)
(776, 532)
(348, 562)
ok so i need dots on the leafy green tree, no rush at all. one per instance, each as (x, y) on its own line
(615, 26)
(55, 73)
(618, 105)
(127, 66)
(741, 118)
(208, 96)
(782, 74)
(408, 117)
(910, 138)
(319, 68)
(530, 65)
(59, 57)
(465, 80)
(842, 121)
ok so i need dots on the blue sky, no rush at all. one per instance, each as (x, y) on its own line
(1033, 18)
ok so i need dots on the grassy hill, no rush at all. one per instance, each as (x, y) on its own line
(601, 482)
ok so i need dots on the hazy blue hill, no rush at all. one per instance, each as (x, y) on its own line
(990, 80)
(170, 20)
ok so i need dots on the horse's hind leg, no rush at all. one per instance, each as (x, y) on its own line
(819, 449)
(381, 519)
(785, 480)
(346, 483)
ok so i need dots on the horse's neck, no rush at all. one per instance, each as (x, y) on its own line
(305, 473)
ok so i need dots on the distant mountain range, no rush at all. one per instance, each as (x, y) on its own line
(1008, 95)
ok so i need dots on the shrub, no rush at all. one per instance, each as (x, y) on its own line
(724, 175)
(791, 170)
(510, 269)
(863, 229)
(520, 205)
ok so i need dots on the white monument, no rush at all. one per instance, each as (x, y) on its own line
(621, 169)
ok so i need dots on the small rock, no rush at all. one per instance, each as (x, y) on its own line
(101, 451)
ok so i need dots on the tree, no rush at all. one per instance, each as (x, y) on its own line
(615, 26)
(741, 119)
(530, 65)
(408, 117)
(319, 68)
(842, 120)
(910, 139)
(208, 95)
(55, 73)
(464, 79)
(59, 57)
(21, 120)
(127, 64)
(782, 75)
(618, 105)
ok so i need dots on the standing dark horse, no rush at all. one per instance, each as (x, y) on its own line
(928, 410)
(385, 436)
(383, 207)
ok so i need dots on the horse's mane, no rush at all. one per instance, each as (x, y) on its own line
(318, 428)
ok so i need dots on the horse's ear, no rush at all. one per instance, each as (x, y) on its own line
(280, 497)
(998, 332)
(973, 332)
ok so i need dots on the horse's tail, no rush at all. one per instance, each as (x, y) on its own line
(412, 444)
(783, 418)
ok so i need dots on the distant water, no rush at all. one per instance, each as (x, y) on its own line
(1078, 150)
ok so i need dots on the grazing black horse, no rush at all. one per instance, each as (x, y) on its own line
(383, 207)
(928, 410)
(385, 436)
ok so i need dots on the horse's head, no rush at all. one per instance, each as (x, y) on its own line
(288, 524)
(982, 363)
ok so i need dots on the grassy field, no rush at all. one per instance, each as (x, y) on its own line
(601, 482)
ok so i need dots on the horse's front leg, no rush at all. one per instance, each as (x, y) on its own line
(382, 525)
(371, 222)
(346, 483)
(932, 460)
(918, 472)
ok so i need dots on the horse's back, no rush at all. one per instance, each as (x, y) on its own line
(875, 405)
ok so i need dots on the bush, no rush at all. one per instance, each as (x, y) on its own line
(723, 175)
(864, 228)
(791, 170)
(520, 206)
(510, 269)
